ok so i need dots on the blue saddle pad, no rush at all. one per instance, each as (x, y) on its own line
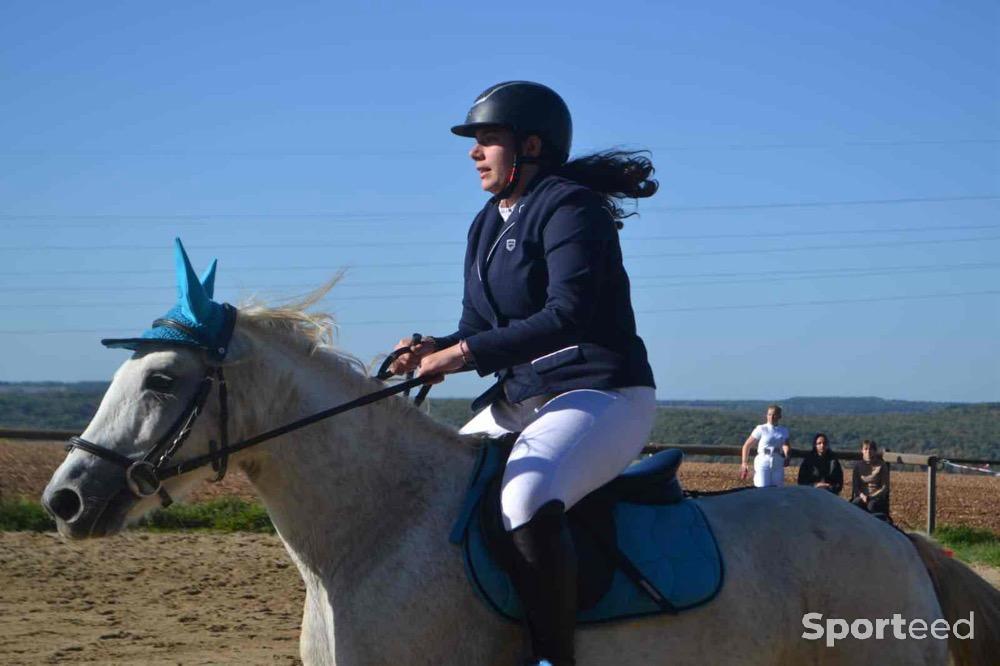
(672, 545)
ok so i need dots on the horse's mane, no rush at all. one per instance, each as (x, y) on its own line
(314, 332)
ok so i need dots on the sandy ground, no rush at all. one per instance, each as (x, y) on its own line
(148, 599)
(153, 599)
(992, 574)
(191, 598)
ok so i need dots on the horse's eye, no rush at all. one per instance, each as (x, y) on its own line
(159, 383)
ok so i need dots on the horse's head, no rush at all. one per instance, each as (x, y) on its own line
(125, 462)
(149, 399)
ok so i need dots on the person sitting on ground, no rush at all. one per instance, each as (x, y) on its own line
(870, 482)
(821, 468)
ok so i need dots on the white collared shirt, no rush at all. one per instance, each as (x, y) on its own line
(769, 438)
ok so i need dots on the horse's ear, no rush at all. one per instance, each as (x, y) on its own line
(191, 296)
(208, 279)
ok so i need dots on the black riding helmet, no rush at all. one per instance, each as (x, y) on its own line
(526, 108)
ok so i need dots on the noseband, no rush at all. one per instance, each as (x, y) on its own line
(144, 476)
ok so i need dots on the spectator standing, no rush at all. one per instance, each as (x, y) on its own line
(773, 448)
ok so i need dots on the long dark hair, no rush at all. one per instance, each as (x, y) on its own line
(829, 451)
(615, 175)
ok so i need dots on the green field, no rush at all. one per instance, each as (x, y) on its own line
(227, 514)
(236, 515)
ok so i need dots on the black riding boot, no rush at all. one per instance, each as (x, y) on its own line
(545, 579)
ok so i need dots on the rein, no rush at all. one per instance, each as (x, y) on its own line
(144, 476)
(200, 461)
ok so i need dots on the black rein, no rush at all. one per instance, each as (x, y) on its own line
(200, 461)
(144, 476)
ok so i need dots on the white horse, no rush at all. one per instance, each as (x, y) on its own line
(364, 501)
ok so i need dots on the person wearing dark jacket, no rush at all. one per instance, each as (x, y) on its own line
(547, 311)
(821, 468)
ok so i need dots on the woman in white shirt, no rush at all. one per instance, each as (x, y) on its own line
(773, 448)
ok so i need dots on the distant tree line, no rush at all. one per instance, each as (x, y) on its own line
(963, 431)
(960, 430)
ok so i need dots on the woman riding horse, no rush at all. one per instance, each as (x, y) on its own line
(363, 501)
(547, 310)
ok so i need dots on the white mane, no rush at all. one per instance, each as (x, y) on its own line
(313, 334)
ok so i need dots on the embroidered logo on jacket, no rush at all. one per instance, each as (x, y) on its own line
(511, 242)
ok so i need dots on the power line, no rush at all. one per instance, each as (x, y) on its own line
(819, 232)
(306, 245)
(658, 255)
(452, 264)
(806, 273)
(124, 304)
(415, 243)
(749, 277)
(819, 272)
(348, 153)
(880, 299)
(742, 306)
(875, 143)
(845, 246)
(351, 283)
(410, 214)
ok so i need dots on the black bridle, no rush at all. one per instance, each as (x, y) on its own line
(144, 476)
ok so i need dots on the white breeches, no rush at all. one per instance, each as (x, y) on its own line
(569, 444)
(768, 470)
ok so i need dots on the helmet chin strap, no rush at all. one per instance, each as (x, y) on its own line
(515, 175)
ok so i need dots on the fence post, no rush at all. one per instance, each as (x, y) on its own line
(931, 493)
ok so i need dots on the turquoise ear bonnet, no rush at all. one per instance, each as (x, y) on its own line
(195, 321)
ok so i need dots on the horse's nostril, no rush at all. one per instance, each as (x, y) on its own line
(64, 504)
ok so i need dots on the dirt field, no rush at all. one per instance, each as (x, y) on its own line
(148, 599)
(235, 599)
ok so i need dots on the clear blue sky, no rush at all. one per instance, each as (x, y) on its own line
(291, 139)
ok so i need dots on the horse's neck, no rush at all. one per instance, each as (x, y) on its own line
(345, 490)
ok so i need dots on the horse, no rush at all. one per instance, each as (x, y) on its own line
(363, 503)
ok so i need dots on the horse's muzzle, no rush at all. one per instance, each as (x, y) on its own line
(92, 502)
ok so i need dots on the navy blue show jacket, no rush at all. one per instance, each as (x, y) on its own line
(547, 307)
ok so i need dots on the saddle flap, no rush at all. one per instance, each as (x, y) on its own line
(591, 522)
(641, 550)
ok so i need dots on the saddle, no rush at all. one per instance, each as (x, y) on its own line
(643, 548)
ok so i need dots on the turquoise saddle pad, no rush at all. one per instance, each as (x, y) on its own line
(671, 544)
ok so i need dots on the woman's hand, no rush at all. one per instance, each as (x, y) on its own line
(409, 362)
(435, 366)
(744, 471)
